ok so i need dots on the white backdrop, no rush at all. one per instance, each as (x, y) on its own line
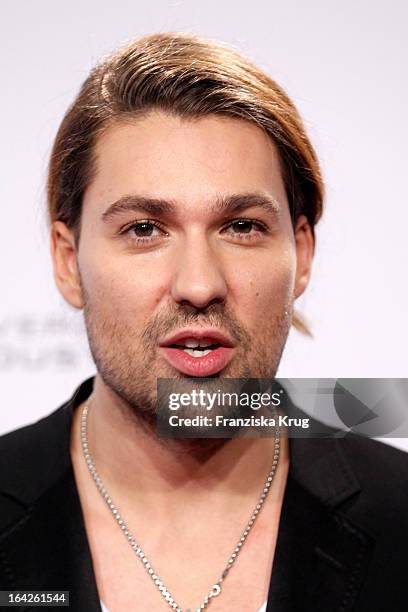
(344, 64)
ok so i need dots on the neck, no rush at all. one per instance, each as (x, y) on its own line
(161, 474)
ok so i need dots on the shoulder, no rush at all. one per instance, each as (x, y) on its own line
(374, 461)
(382, 473)
(35, 460)
(361, 478)
(30, 438)
(32, 457)
(373, 452)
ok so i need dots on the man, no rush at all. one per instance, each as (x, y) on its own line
(183, 194)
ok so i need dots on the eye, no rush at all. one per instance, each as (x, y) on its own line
(142, 232)
(143, 229)
(242, 226)
(245, 228)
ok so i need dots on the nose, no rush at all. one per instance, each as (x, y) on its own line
(198, 279)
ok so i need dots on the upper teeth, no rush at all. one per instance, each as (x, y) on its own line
(194, 343)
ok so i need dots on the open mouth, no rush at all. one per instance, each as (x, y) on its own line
(196, 349)
(198, 353)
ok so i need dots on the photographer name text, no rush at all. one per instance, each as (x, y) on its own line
(252, 421)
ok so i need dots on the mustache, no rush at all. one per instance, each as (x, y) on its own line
(214, 315)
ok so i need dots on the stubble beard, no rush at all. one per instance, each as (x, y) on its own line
(128, 361)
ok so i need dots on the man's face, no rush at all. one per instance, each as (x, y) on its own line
(186, 238)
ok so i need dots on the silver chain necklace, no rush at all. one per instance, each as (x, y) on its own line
(216, 588)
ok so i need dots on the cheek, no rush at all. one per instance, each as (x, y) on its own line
(121, 285)
(266, 288)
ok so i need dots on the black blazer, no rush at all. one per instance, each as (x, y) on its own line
(342, 542)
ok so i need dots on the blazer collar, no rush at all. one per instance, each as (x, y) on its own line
(320, 556)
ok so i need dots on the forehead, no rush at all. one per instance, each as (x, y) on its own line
(190, 161)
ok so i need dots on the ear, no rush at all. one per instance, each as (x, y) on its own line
(64, 257)
(304, 253)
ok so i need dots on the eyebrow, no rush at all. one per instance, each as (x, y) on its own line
(224, 205)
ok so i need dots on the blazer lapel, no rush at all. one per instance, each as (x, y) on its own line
(321, 556)
(43, 543)
(47, 548)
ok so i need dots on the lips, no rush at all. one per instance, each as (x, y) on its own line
(182, 351)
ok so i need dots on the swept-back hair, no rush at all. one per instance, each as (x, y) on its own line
(190, 77)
